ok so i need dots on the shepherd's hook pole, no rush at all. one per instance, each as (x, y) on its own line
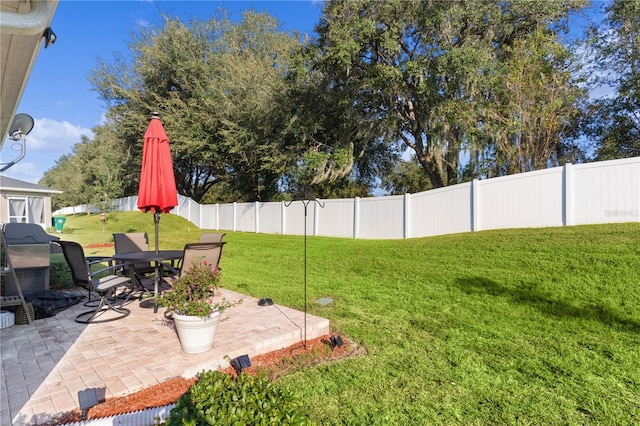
(305, 203)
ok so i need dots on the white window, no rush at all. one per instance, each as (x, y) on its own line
(26, 210)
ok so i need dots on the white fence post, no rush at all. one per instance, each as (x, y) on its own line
(257, 219)
(235, 209)
(356, 213)
(316, 213)
(567, 195)
(475, 201)
(282, 218)
(407, 215)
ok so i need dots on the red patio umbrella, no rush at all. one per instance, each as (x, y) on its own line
(157, 190)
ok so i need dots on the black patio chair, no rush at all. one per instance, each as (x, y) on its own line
(93, 260)
(209, 252)
(104, 285)
(142, 273)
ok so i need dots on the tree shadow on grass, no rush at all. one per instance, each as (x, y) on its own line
(546, 302)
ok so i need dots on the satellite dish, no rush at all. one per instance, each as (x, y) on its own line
(22, 125)
(20, 128)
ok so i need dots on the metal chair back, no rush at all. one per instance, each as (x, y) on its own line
(130, 243)
(78, 264)
(209, 252)
(211, 238)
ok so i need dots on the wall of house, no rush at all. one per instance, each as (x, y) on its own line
(43, 219)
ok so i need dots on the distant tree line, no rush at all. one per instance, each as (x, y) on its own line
(396, 95)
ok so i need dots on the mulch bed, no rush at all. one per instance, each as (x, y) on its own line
(92, 246)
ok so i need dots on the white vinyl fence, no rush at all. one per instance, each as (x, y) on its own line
(599, 192)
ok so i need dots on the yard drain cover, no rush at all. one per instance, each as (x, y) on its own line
(324, 301)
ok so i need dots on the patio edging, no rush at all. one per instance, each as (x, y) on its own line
(145, 417)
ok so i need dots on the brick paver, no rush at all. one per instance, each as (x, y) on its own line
(46, 364)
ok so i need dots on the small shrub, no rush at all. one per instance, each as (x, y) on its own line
(60, 276)
(65, 230)
(194, 292)
(219, 399)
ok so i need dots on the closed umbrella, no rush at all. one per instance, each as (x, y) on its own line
(157, 190)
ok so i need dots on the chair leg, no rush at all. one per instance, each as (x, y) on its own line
(94, 303)
(136, 287)
(124, 297)
(141, 288)
(91, 303)
(105, 305)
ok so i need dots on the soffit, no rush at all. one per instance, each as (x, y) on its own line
(22, 24)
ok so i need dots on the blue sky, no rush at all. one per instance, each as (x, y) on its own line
(58, 95)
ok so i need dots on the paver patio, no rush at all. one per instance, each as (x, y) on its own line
(46, 364)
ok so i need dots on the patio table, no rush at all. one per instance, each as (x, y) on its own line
(157, 257)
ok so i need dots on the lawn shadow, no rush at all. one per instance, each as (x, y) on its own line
(546, 302)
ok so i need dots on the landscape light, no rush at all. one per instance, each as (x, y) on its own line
(240, 363)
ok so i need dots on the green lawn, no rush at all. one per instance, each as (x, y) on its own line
(530, 326)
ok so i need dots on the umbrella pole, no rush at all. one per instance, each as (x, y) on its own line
(156, 220)
(156, 283)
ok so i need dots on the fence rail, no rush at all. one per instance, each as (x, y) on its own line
(592, 193)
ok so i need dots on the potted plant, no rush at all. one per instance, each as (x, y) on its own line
(196, 306)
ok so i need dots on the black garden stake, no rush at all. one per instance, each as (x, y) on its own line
(305, 202)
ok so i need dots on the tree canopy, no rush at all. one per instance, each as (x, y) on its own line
(614, 122)
(397, 94)
(442, 77)
(235, 111)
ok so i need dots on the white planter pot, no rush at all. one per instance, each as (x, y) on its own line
(196, 334)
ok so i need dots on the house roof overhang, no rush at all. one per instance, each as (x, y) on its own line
(10, 185)
(22, 27)
(22, 191)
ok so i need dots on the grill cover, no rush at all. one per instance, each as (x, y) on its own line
(26, 233)
(30, 249)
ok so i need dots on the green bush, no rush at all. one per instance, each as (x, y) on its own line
(60, 277)
(219, 399)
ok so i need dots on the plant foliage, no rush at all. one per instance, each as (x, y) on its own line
(219, 399)
(60, 277)
(194, 292)
(614, 123)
